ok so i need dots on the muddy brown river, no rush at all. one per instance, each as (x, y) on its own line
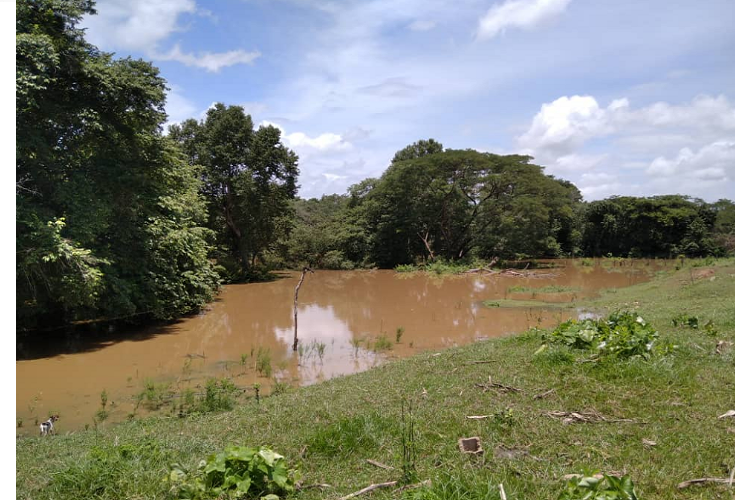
(348, 322)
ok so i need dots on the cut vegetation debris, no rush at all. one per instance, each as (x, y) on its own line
(590, 416)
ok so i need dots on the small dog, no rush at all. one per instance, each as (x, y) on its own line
(48, 426)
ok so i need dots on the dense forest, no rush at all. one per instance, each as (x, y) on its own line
(118, 218)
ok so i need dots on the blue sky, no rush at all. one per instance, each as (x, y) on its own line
(631, 98)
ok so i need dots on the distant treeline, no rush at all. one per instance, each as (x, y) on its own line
(462, 205)
(114, 219)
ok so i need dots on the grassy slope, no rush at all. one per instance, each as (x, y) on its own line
(340, 423)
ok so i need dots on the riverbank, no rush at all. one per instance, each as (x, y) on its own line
(329, 430)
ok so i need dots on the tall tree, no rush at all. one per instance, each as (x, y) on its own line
(107, 211)
(461, 203)
(249, 179)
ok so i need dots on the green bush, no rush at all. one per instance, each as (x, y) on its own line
(621, 335)
(236, 472)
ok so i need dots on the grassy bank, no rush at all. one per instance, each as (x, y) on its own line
(329, 430)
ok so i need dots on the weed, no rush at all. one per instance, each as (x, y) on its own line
(399, 334)
(356, 343)
(153, 395)
(685, 320)
(236, 472)
(598, 486)
(263, 363)
(220, 394)
(279, 387)
(408, 442)
(621, 335)
(320, 348)
(243, 360)
(710, 329)
(256, 387)
(381, 343)
(505, 418)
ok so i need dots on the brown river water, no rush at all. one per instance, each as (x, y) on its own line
(346, 311)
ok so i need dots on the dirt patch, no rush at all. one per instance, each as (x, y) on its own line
(703, 273)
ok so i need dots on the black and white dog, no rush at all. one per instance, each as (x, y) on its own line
(48, 426)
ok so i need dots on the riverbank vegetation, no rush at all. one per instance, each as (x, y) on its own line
(117, 219)
(656, 416)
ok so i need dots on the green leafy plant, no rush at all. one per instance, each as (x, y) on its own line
(598, 487)
(621, 335)
(399, 334)
(686, 320)
(505, 418)
(263, 362)
(220, 394)
(710, 329)
(236, 472)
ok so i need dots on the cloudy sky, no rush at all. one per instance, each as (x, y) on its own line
(631, 98)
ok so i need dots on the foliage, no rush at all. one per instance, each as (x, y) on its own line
(621, 335)
(684, 319)
(108, 217)
(658, 226)
(599, 487)
(220, 394)
(237, 472)
(457, 203)
(249, 178)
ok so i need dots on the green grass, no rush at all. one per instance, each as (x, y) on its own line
(543, 289)
(328, 430)
(530, 303)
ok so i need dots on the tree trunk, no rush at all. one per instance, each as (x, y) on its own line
(295, 309)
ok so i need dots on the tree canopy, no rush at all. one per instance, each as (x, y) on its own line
(108, 216)
(249, 179)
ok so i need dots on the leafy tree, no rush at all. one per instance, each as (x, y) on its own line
(107, 210)
(657, 226)
(458, 203)
(249, 179)
(418, 149)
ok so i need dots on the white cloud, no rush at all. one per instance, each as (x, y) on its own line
(564, 125)
(523, 14)
(304, 144)
(715, 161)
(687, 148)
(422, 25)
(135, 24)
(144, 25)
(211, 61)
(323, 142)
(575, 163)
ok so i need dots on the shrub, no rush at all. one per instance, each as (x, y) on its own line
(621, 335)
(236, 472)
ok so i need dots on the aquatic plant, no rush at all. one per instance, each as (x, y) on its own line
(399, 334)
(381, 343)
(263, 363)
